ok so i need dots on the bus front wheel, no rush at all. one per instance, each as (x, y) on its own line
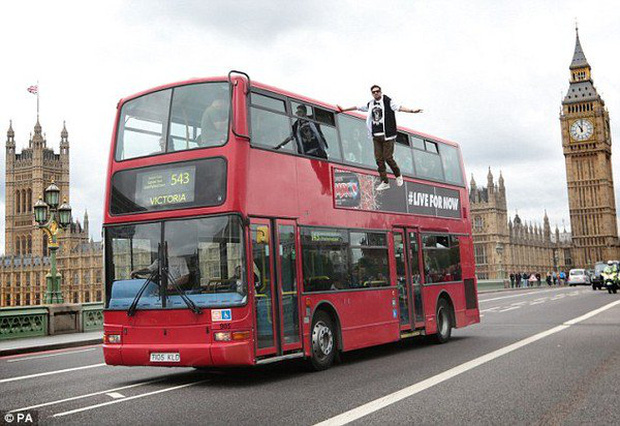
(323, 341)
(444, 322)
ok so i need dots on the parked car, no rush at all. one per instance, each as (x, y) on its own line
(578, 277)
(597, 280)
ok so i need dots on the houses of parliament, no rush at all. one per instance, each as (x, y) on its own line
(26, 262)
(503, 245)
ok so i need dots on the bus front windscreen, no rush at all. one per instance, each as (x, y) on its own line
(204, 258)
(176, 119)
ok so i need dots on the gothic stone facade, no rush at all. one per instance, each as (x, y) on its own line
(503, 246)
(586, 142)
(25, 262)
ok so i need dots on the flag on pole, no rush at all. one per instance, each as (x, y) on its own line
(34, 89)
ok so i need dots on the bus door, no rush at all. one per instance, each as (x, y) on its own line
(274, 277)
(408, 276)
(414, 258)
(402, 279)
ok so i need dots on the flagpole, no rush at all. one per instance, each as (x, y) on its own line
(37, 101)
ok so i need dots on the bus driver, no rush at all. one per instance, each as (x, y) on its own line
(177, 268)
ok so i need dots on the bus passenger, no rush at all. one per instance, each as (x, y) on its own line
(381, 123)
(214, 123)
(307, 135)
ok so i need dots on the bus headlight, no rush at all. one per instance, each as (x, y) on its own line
(222, 336)
(113, 338)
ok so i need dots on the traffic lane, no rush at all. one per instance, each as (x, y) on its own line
(38, 362)
(284, 394)
(563, 378)
(58, 409)
(44, 389)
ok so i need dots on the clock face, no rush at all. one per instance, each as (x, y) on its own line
(581, 129)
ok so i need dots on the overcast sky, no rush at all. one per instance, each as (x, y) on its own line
(489, 75)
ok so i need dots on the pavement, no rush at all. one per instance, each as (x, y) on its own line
(46, 343)
(62, 341)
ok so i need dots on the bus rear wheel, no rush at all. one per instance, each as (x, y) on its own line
(323, 339)
(444, 322)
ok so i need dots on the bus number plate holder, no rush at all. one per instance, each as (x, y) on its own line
(165, 357)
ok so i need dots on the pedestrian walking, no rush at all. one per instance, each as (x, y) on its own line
(548, 278)
(555, 278)
(538, 280)
(524, 277)
(512, 280)
(381, 123)
(518, 278)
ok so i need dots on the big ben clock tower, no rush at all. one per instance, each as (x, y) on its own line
(586, 142)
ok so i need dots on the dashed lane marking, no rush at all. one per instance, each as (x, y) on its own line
(512, 308)
(115, 395)
(523, 294)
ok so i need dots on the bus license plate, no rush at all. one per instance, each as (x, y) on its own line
(165, 357)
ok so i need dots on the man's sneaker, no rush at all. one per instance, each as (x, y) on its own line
(399, 181)
(383, 186)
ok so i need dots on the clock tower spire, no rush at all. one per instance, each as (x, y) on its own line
(586, 142)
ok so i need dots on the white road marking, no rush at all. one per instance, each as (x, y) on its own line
(558, 297)
(49, 355)
(519, 295)
(491, 309)
(60, 401)
(511, 308)
(115, 395)
(79, 410)
(385, 401)
(518, 303)
(66, 370)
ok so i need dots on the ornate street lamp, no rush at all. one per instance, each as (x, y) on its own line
(51, 220)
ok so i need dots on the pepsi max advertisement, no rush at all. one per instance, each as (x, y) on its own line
(354, 190)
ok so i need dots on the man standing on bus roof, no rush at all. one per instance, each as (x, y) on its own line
(381, 123)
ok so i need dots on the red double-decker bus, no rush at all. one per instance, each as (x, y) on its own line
(243, 226)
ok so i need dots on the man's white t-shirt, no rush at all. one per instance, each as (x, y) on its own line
(375, 121)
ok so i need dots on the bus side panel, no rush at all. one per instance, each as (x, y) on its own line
(361, 326)
(456, 292)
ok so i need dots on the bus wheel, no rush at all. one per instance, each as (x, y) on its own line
(323, 342)
(444, 322)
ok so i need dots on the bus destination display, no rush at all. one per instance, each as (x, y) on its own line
(166, 186)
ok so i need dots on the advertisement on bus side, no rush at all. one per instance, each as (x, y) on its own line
(353, 190)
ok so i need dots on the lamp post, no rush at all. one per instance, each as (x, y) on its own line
(51, 219)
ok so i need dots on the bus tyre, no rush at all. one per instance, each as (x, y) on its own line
(323, 340)
(444, 322)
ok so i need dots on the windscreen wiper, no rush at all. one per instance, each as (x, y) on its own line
(189, 302)
(134, 304)
(166, 271)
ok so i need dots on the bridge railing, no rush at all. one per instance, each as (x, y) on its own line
(34, 321)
